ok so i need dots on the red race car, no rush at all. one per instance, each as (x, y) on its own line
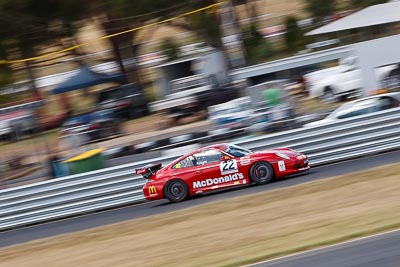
(216, 167)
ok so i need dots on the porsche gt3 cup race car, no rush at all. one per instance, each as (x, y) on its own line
(216, 167)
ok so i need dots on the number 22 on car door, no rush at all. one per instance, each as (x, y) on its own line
(228, 166)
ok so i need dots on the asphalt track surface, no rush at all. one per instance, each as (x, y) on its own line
(162, 206)
(382, 250)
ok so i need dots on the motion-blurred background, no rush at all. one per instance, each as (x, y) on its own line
(131, 80)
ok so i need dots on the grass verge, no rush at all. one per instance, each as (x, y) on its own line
(234, 231)
(22, 173)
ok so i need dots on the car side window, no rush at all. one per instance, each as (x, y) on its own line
(185, 163)
(388, 102)
(200, 158)
(347, 115)
(362, 107)
(354, 113)
(208, 156)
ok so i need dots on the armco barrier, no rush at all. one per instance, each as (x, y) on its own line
(116, 186)
(291, 62)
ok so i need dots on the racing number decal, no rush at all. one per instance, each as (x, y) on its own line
(229, 166)
(281, 165)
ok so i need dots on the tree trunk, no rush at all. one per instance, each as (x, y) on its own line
(118, 58)
(31, 76)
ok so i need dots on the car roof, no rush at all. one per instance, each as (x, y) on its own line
(391, 94)
(214, 146)
(395, 94)
(221, 146)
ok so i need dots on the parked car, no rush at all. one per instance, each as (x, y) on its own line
(236, 114)
(125, 101)
(332, 84)
(217, 167)
(193, 94)
(92, 126)
(361, 107)
(16, 124)
(47, 122)
(5, 130)
(391, 83)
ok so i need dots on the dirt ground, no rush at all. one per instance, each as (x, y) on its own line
(233, 231)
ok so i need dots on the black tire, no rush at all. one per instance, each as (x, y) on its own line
(176, 191)
(261, 173)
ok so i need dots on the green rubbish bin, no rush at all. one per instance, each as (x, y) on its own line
(88, 161)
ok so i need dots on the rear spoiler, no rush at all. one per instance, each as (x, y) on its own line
(149, 170)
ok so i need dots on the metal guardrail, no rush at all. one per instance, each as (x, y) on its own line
(30, 106)
(291, 62)
(116, 186)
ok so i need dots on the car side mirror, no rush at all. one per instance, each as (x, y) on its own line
(225, 158)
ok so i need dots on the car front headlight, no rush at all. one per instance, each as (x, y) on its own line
(281, 155)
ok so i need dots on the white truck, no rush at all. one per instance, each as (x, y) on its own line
(344, 80)
(206, 83)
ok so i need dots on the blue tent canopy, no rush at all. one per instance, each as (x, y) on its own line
(85, 78)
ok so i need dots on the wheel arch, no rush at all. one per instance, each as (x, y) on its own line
(263, 161)
(176, 179)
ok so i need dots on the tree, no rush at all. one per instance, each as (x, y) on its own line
(293, 34)
(256, 47)
(170, 48)
(365, 3)
(320, 8)
(27, 25)
(123, 15)
(41, 22)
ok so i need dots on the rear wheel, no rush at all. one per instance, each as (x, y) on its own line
(261, 173)
(176, 191)
(329, 95)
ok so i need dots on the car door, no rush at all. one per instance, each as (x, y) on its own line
(351, 79)
(207, 171)
(214, 171)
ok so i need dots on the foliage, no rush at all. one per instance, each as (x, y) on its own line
(293, 34)
(170, 48)
(255, 45)
(28, 25)
(320, 8)
(365, 3)
(6, 76)
(264, 50)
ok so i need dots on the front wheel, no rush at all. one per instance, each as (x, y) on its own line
(261, 173)
(329, 96)
(176, 191)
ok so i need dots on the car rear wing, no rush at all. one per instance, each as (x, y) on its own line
(149, 170)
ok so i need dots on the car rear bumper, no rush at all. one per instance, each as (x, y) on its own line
(152, 192)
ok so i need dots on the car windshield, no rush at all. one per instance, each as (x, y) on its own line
(237, 151)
